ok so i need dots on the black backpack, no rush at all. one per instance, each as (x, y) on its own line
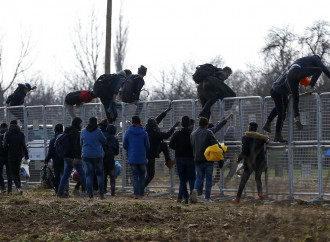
(203, 71)
(128, 94)
(102, 86)
(47, 177)
(3, 149)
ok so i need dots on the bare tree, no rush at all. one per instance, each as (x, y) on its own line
(87, 47)
(317, 39)
(121, 42)
(21, 66)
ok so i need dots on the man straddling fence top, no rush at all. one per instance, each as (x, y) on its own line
(131, 89)
(288, 83)
(213, 88)
(77, 98)
(253, 153)
(17, 98)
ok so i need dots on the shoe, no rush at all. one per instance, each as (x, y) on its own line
(84, 194)
(261, 196)
(208, 201)
(185, 201)
(179, 200)
(60, 196)
(91, 197)
(170, 164)
(236, 200)
(225, 164)
(279, 138)
(298, 123)
(19, 191)
(268, 126)
(136, 197)
(309, 89)
(75, 192)
(193, 197)
(3, 190)
(102, 196)
(66, 193)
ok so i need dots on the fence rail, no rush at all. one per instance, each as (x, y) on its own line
(302, 167)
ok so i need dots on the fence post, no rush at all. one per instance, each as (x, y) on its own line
(44, 128)
(222, 180)
(172, 172)
(124, 155)
(319, 150)
(263, 120)
(25, 124)
(290, 151)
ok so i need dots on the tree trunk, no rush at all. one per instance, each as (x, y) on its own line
(107, 62)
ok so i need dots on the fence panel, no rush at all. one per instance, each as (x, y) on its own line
(162, 176)
(3, 116)
(308, 116)
(268, 107)
(91, 110)
(325, 170)
(232, 134)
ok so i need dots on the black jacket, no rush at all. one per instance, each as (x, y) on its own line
(17, 98)
(156, 138)
(253, 150)
(3, 149)
(111, 149)
(74, 137)
(58, 162)
(180, 142)
(15, 142)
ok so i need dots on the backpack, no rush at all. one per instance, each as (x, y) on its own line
(47, 177)
(203, 71)
(102, 86)
(62, 145)
(128, 89)
(3, 149)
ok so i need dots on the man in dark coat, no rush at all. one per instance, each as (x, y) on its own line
(212, 89)
(253, 153)
(58, 162)
(3, 157)
(15, 143)
(156, 138)
(288, 83)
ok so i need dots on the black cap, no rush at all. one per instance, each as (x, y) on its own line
(142, 70)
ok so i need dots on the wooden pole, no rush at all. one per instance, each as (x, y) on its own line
(107, 62)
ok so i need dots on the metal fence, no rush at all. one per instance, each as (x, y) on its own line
(300, 168)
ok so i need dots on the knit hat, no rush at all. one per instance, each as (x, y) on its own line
(185, 122)
(128, 72)
(122, 73)
(111, 129)
(27, 86)
(93, 121)
(142, 70)
(58, 128)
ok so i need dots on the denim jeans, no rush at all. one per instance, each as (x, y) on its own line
(68, 166)
(138, 175)
(94, 165)
(186, 171)
(204, 169)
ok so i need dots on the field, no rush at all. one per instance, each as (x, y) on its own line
(39, 216)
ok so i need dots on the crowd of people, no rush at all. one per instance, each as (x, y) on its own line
(91, 151)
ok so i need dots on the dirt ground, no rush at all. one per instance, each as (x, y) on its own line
(39, 216)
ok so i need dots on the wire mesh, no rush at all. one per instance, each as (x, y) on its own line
(326, 170)
(91, 110)
(308, 117)
(233, 130)
(3, 118)
(325, 116)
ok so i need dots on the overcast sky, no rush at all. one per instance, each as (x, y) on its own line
(161, 33)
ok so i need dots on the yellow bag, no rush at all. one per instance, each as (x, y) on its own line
(214, 152)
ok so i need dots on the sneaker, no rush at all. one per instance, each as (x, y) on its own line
(185, 201)
(261, 196)
(136, 197)
(179, 200)
(102, 196)
(193, 197)
(225, 164)
(298, 123)
(91, 197)
(236, 200)
(309, 89)
(19, 191)
(208, 200)
(268, 127)
(170, 164)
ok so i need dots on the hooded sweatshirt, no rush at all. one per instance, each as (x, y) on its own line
(91, 141)
(17, 98)
(15, 142)
(112, 146)
(136, 142)
(3, 150)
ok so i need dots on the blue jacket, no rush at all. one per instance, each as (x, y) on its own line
(17, 98)
(136, 142)
(91, 141)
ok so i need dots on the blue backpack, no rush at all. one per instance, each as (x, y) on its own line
(62, 145)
